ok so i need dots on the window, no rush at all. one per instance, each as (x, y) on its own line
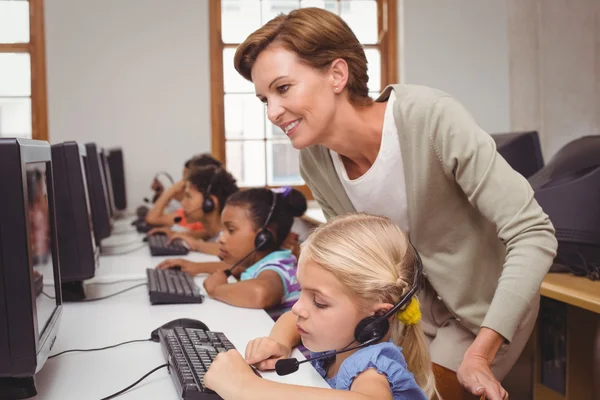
(255, 151)
(23, 110)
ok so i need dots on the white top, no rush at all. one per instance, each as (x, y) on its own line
(382, 189)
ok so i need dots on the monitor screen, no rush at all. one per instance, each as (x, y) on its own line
(87, 200)
(105, 171)
(40, 243)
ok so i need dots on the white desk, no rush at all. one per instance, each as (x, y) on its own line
(130, 316)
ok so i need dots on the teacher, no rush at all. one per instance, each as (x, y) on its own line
(418, 157)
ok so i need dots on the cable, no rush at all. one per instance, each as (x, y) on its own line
(112, 396)
(99, 348)
(48, 296)
(115, 294)
(115, 282)
(120, 253)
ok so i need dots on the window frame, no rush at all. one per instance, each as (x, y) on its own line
(387, 43)
(37, 53)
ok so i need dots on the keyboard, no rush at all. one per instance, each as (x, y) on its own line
(169, 286)
(190, 353)
(160, 246)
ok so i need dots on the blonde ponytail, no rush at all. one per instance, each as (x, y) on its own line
(416, 352)
(375, 262)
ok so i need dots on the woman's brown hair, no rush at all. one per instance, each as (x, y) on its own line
(318, 37)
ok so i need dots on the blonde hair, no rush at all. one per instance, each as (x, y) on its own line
(375, 262)
(317, 37)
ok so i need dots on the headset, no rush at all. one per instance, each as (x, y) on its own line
(208, 205)
(370, 330)
(263, 240)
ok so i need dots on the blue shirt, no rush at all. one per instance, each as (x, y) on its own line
(386, 358)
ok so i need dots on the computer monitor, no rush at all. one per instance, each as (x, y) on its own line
(521, 150)
(568, 189)
(30, 294)
(77, 247)
(117, 175)
(98, 193)
(107, 182)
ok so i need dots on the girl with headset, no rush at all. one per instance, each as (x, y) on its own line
(255, 224)
(205, 193)
(359, 275)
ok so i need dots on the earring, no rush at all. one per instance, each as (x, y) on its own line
(336, 89)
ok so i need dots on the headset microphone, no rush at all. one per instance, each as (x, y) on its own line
(179, 219)
(287, 366)
(229, 272)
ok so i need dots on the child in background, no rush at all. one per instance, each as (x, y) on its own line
(206, 191)
(356, 272)
(168, 205)
(256, 222)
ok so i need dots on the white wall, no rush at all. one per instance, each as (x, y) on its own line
(555, 69)
(460, 47)
(133, 74)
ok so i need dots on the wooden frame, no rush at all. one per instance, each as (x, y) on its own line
(387, 43)
(37, 51)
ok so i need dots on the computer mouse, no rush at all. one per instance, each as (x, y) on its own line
(176, 268)
(178, 323)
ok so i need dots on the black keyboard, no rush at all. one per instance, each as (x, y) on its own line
(169, 286)
(160, 246)
(190, 352)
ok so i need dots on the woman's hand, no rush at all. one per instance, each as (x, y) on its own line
(215, 280)
(224, 367)
(264, 353)
(476, 376)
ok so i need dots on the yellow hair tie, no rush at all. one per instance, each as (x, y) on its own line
(411, 315)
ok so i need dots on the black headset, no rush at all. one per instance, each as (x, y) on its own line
(372, 329)
(208, 205)
(265, 239)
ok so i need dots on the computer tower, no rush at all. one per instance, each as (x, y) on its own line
(568, 190)
(521, 150)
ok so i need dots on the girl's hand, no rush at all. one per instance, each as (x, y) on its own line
(163, 230)
(264, 353)
(191, 243)
(215, 280)
(185, 265)
(224, 367)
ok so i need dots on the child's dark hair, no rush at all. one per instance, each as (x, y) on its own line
(290, 203)
(202, 160)
(223, 183)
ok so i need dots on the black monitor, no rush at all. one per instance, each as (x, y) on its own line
(77, 247)
(98, 193)
(30, 294)
(521, 150)
(568, 189)
(117, 175)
